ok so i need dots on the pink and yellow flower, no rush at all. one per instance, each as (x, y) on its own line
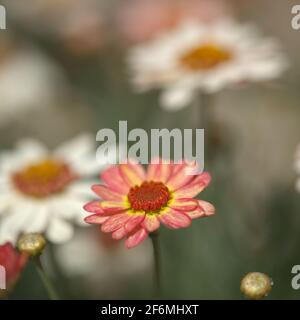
(135, 203)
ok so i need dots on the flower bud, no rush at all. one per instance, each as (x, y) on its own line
(256, 285)
(32, 244)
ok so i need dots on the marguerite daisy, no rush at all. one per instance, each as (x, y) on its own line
(134, 202)
(43, 191)
(203, 57)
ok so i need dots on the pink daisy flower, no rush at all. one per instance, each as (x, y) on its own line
(135, 203)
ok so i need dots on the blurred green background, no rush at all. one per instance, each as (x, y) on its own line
(81, 47)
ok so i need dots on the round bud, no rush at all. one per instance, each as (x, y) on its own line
(32, 244)
(256, 285)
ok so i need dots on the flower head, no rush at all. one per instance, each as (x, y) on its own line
(13, 263)
(203, 56)
(43, 191)
(134, 202)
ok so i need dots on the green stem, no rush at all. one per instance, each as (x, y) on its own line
(206, 104)
(157, 263)
(205, 110)
(45, 279)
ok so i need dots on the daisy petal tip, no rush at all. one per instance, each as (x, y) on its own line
(95, 219)
(93, 206)
(176, 220)
(207, 177)
(136, 238)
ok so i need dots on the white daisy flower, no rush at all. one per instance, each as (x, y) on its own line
(43, 191)
(297, 168)
(203, 57)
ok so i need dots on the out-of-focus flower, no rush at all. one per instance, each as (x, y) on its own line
(28, 80)
(135, 202)
(77, 25)
(82, 32)
(256, 285)
(82, 257)
(42, 191)
(203, 57)
(13, 262)
(141, 20)
(297, 167)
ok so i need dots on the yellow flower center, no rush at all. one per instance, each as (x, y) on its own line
(205, 57)
(44, 178)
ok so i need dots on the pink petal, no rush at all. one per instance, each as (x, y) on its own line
(96, 219)
(113, 206)
(136, 238)
(119, 234)
(115, 222)
(132, 173)
(105, 193)
(133, 222)
(196, 186)
(184, 204)
(94, 207)
(205, 209)
(208, 208)
(159, 171)
(151, 223)
(177, 167)
(179, 177)
(175, 219)
(114, 180)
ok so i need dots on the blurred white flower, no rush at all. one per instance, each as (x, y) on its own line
(297, 167)
(203, 57)
(28, 80)
(97, 256)
(43, 191)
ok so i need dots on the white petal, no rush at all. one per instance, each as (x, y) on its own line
(87, 166)
(7, 236)
(39, 221)
(79, 219)
(176, 98)
(81, 189)
(77, 148)
(59, 231)
(30, 150)
(5, 201)
(14, 223)
(91, 165)
(266, 69)
(67, 206)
